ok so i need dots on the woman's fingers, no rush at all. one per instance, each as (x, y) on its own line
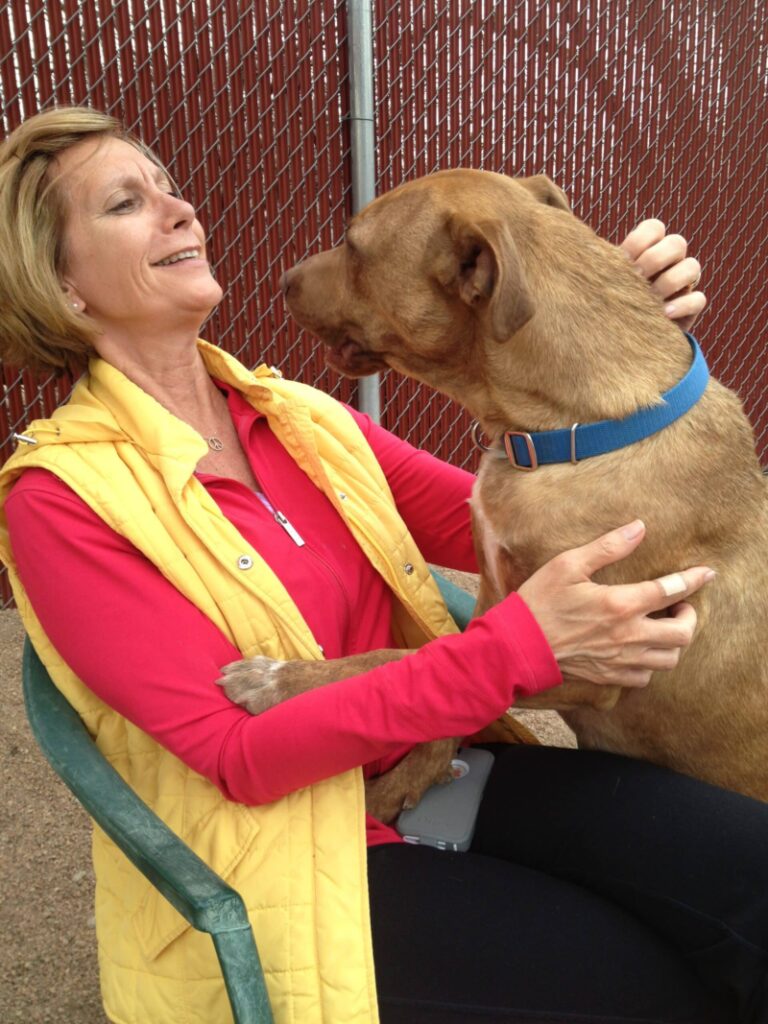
(647, 234)
(679, 278)
(674, 631)
(632, 598)
(640, 667)
(581, 563)
(657, 595)
(653, 252)
(665, 641)
(673, 275)
(686, 309)
(660, 258)
(609, 633)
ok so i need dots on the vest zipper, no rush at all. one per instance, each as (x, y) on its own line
(296, 537)
(282, 520)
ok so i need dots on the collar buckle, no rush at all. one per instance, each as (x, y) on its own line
(509, 448)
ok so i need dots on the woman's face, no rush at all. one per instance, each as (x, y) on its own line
(134, 253)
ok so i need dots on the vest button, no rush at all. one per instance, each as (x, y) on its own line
(245, 562)
(408, 569)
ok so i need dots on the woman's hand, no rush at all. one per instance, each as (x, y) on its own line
(603, 633)
(663, 260)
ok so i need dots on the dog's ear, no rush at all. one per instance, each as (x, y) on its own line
(482, 266)
(545, 191)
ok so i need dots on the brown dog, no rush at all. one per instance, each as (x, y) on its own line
(490, 290)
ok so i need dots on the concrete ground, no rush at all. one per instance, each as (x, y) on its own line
(49, 971)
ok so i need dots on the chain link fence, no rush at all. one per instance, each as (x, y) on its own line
(635, 108)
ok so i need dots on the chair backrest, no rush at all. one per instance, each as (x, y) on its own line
(461, 605)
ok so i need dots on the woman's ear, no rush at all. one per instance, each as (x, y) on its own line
(72, 296)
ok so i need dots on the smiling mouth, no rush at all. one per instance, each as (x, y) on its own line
(179, 257)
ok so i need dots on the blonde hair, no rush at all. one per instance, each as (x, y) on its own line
(39, 329)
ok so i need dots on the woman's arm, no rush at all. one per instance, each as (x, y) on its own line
(150, 654)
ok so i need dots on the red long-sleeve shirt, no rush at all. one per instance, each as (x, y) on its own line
(154, 657)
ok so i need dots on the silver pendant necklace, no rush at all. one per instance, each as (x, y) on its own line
(214, 444)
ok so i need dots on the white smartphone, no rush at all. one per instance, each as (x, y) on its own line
(445, 816)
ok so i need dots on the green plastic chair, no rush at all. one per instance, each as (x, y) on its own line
(204, 899)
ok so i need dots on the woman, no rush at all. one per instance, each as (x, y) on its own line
(192, 511)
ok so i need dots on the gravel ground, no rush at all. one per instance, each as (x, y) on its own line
(49, 971)
(46, 918)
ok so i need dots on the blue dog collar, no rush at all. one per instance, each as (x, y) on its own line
(528, 451)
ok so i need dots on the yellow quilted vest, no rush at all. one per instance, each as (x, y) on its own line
(299, 863)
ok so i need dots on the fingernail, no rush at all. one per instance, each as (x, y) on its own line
(631, 531)
(670, 310)
(673, 584)
(709, 575)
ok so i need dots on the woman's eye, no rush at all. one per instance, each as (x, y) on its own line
(122, 206)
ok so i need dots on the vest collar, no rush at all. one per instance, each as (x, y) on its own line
(108, 407)
(529, 450)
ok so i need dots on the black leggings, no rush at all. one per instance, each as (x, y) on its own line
(598, 889)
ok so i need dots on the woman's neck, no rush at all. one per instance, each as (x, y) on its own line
(172, 371)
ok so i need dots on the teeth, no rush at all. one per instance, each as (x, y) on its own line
(188, 254)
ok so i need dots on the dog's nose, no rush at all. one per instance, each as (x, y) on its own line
(286, 279)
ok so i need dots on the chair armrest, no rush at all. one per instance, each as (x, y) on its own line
(185, 880)
(460, 604)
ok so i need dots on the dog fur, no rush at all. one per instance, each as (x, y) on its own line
(490, 290)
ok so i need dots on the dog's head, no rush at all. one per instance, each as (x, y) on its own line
(428, 276)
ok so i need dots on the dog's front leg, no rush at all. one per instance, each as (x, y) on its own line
(573, 694)
(260, 683)
(404, 785)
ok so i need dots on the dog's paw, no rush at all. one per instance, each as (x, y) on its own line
(410, 800)
(254, 683)
(418, 787)
(384, 800)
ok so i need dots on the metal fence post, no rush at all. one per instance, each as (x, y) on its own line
(363, 154)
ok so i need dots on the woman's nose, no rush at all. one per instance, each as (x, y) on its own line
(178, 208)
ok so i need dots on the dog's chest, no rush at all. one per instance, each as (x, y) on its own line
(512, 543)
(524, 519)
(519, 523)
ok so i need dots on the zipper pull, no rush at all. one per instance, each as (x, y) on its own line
(289, 528)
(279, 518)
